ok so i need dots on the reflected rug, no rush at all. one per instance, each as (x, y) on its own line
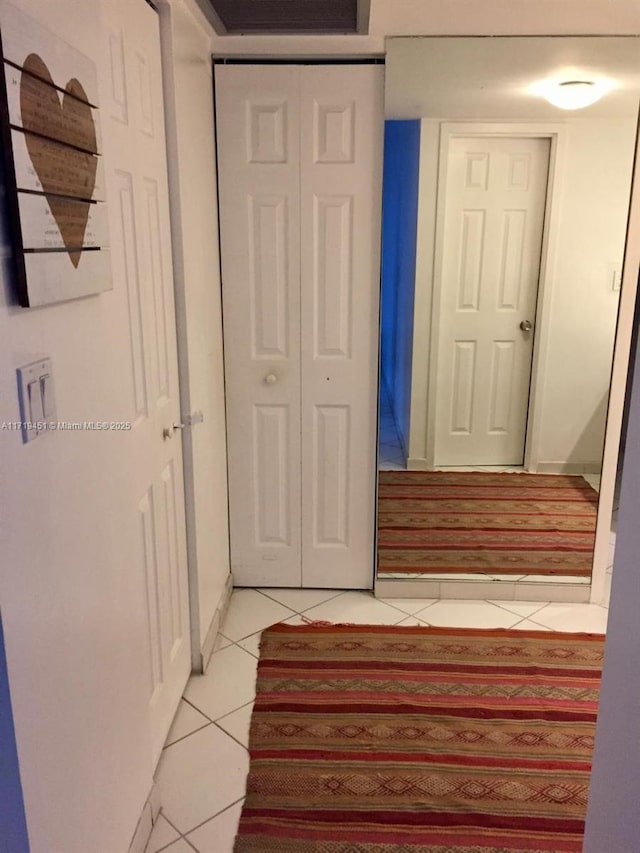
(436, 522)
(375, 739)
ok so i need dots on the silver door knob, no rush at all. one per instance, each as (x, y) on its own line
(526, 325)
(271, 379)
(168, 432)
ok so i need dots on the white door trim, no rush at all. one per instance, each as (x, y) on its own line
(557, 134)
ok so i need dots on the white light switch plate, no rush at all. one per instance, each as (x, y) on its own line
(36, 397)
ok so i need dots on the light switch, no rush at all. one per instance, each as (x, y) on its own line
(36, 397)
(35, 402)
(48, 399)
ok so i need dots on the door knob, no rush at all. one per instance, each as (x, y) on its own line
(271, 379)
(526, 325)
(168, 432)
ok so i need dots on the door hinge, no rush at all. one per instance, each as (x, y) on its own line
(192, 420)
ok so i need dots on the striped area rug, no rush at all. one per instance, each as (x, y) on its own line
(436, 522)
(372, 739)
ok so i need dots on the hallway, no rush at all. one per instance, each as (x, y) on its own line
(202, 771)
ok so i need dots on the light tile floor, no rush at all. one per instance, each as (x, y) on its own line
(202, 772)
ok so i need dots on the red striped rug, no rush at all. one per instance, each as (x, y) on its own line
(436, 522)
(371, 739)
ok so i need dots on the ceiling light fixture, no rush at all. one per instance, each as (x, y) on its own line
(574, 94)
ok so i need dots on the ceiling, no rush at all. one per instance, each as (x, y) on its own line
(379, 19)
(494, 78)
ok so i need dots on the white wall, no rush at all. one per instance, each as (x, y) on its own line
(590, 245)
(194, 218)
(589, 241)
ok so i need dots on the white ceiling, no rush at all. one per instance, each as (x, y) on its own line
(504, 17)
(492, 78)
(444, 17)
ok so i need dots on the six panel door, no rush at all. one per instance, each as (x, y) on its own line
(141, 239)
(494, 218)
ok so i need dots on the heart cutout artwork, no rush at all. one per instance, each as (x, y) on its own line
(45, 117)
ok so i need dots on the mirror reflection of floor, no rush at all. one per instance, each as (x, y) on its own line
(391, 457)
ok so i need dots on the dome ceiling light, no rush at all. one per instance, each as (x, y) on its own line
(574, 94)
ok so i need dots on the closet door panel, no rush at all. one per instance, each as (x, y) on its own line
(342, 125)
(258, 129)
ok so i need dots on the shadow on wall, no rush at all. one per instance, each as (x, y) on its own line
(591, 436)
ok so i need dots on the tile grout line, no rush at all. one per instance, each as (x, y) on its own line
(217, 814)
(503, 606)
(214, 722)
(211, 722)
(299, 612)
(239, 708)
(180, 837)
(199, 729)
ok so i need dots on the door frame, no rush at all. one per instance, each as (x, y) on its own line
(556, 133)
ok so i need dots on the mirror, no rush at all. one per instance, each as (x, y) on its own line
(503, 240)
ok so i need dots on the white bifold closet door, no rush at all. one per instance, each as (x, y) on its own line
(300, 175)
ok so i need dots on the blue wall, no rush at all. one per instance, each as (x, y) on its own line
(399, 235)
(13, 828)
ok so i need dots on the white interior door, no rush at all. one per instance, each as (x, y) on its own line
(141, 240)
(341, 167)
(493, 227)
(300, 172)
(258, 135)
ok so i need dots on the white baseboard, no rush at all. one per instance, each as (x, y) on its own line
(218, 618)
(568, 468)
(146, 822)
(418, 463)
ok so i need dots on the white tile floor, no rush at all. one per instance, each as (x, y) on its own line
(202, 772)
(203, 768)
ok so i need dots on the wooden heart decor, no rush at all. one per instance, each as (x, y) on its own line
(68, 120)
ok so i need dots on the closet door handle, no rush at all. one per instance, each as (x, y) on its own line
(271, 379)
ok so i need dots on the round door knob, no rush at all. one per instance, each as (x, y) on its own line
(526, 325)
(271, 379)
(168, 432)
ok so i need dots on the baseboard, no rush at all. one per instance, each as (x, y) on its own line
(146, 822)
(212, 633)
(418, 463)
(568, 468)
